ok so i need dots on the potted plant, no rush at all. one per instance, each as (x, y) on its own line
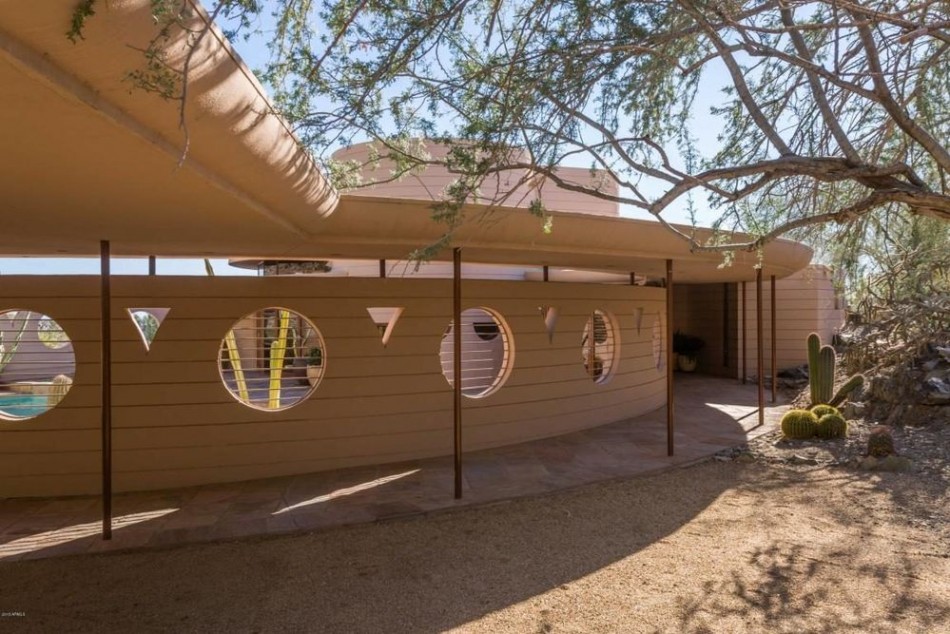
(687, 347)
(314, 365)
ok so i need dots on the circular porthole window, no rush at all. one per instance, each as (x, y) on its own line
(599, 347)
(37, 364)
(272, 359)
(486, 352)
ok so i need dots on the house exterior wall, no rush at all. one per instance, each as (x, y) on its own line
(805, 303)
(175, 424)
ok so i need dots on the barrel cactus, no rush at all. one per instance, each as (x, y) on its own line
(880, 442)
(799, 424)
(832, 426)
(821, 374)
(821, 410)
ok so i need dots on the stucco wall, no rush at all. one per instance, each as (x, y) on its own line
(175, 424)
(805, 303)
(506, 186)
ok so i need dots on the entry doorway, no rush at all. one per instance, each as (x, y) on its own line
(709, 312)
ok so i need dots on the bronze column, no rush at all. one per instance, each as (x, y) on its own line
(669, 357)
(760, 352)
(457, 363)
(774, 343)
(105, 321)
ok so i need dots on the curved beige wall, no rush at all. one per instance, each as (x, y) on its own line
(805, 303)
(175, 424)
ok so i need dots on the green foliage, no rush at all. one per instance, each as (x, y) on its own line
(147, 323)
(8, 349)
(83, 11)
(832, 426)
(687, 345)
(880, 442)
(799, 424)
(821, 410)
(315, 357)
(613, 86)
(50, 333)
(889, 257)
(821, 374)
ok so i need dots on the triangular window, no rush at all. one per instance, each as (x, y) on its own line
(147, 321)
(385, 318)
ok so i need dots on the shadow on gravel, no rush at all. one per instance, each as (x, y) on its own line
(417, 575)
(780, 587)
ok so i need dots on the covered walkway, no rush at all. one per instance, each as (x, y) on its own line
(711, 414)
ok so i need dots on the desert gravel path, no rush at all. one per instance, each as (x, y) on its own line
(717, 547)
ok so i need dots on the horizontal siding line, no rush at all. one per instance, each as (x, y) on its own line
(317, 397)
(444, 428)
(332, 459)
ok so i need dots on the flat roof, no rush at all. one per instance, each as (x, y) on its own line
(87, 158)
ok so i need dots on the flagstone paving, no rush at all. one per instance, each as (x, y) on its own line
(711, 415)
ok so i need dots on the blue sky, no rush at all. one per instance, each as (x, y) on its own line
(120, 266)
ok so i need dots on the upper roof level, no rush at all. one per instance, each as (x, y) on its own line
(515, 188)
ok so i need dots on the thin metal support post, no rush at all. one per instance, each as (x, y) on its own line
(152, 266)
(546, 273)
(382, 269)
(669, 357)
(774, 342)
(760, 352)
(105, 320)
(457, 363)
(633, 279)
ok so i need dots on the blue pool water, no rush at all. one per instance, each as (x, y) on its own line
(23, 405)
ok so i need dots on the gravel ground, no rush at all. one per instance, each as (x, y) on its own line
(722, 546)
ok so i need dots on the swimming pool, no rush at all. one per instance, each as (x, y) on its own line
(23, 405)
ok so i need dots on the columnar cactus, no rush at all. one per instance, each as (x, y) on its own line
(832, 426)
(799, 424)
(821, 374)
(826, 373)
(846, 388)
(814, 378)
